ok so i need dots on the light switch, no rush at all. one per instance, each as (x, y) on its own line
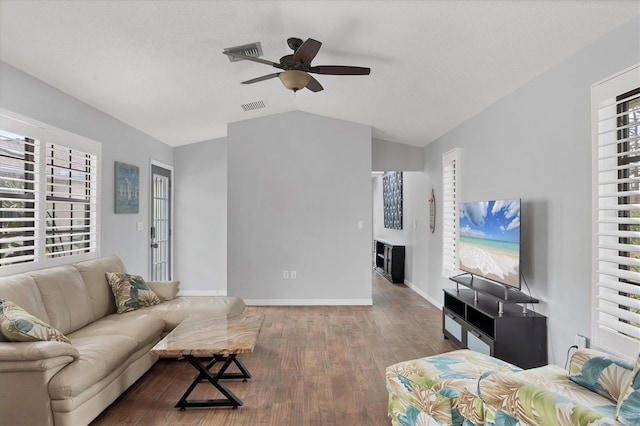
(139, 226)
(360, 224)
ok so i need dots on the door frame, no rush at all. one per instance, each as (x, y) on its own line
(171, 220)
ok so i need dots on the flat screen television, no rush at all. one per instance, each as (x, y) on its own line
(490, 240)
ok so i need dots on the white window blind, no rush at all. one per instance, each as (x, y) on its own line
(450, 201)
(19, 199)
(49, 180)
(71, 212)
(616, 126)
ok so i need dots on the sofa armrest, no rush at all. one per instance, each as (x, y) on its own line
(506, 394)
(34, 351)
(166, 290)
(25, 371)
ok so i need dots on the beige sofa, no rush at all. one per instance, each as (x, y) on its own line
(70, 384)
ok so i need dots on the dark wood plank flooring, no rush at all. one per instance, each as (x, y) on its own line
(315, 365)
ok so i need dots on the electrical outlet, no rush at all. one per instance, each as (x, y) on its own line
(285, 275)
(581, 341)
(293, 275)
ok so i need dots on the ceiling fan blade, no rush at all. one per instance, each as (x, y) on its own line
(340, 70)
(314, 85)
(254, 59)
(306, 52)
(264, 77)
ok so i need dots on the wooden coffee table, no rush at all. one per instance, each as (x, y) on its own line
(217, 339)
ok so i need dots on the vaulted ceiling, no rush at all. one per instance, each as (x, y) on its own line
(158, 65)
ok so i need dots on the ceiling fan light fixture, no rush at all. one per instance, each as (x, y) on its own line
(294, 79)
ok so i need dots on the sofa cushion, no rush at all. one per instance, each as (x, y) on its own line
(17, 325)
(131, 292)
(99, 357)
(556, 379)
(144, 329)
(23, 291)
(628, 409)
(65, 297)
(93, 274)
(435, 386)
(509, 396)
(173, 312)
(599, 372)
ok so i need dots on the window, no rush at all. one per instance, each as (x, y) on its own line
(616, 126)
(48, 189)
(71, 201)
(450, 211)
(19, 197)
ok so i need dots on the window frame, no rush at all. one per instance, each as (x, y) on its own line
(613, 255)
(45, 134)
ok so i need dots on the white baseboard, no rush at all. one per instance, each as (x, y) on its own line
(434, 302)
(190, 293)
(308, 302)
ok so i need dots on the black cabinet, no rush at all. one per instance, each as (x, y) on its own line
(495, 325)
(389, 260)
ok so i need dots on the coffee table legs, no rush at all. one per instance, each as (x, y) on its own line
(205, 374)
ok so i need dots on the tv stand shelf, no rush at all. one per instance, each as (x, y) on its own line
(487, 320)
(496, 292)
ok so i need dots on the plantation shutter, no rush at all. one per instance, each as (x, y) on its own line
(19, 198)
(71, 201)
(49, 211)
(616, 125)
(450, 211)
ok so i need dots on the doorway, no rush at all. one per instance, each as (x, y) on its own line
(161, 253)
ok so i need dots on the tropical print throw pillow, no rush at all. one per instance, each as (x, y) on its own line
(17, 325)
(629, 403)
(131, 292)
(599, 372)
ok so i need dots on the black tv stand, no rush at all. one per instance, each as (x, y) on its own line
(488, 318)
(389, 261)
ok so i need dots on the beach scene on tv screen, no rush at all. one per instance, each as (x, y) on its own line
(490, 240)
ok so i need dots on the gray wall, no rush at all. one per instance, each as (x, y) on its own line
(30, 97)
(389, 156)
(297, 186)
(201, 217)
(536, 144)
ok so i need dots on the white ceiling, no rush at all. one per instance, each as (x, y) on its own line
(158, 66)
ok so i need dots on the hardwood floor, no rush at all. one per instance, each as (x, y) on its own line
(315, 365)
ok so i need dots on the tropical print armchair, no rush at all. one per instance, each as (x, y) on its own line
(467, 388)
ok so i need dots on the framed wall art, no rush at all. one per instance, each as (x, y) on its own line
(127, 188)
(392, 200)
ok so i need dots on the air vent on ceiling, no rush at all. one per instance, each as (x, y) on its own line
(254, 105)
(251, 49)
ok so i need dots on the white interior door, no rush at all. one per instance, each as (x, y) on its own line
(161, 224)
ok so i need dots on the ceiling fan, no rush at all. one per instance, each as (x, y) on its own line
(296, 68)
